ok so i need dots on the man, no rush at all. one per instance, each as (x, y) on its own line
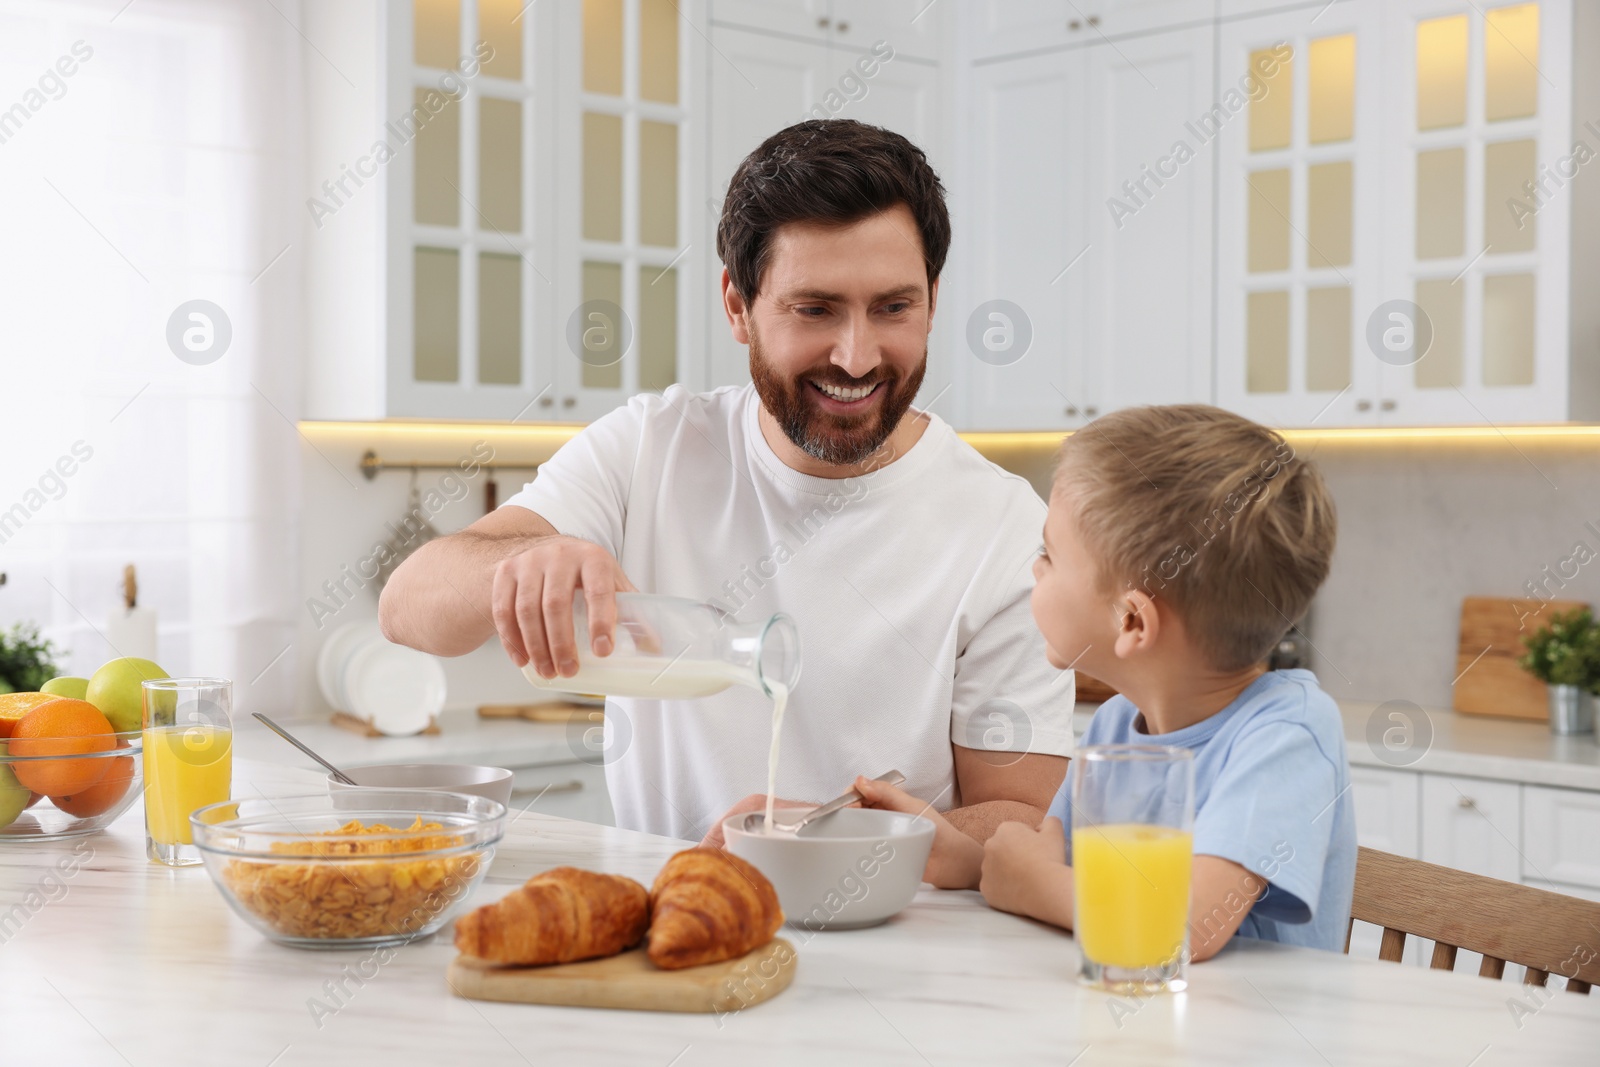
(902, 554)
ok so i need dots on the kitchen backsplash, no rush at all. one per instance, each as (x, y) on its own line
(1422, 523)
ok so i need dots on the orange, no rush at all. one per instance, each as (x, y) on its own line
(33, 798)
(62, 727)
(13, 706)
(101, 796)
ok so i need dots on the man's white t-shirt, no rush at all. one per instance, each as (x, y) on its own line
(909, 586)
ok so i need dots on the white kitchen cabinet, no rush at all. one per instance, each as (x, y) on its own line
(571, 790)
(1300, 181)
(1073, 223)
(1387, 804)
(1145, 282)
(1472, 824)
(1020, 26)
(630, 150)
(1488, 263)
(911, 26)
(1380, 260)
(1018, 349)
(1561, 836)
(458, 257)
(761, 83)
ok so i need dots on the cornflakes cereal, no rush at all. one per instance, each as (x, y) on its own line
(345, 899)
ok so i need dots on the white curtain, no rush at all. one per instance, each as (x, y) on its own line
(149, 153)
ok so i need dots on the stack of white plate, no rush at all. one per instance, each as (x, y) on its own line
(397, 689)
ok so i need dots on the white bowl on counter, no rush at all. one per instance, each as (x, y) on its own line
(855, 868)
(493, 783)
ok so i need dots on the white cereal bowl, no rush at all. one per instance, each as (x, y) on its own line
(491, 782)
(852, 869)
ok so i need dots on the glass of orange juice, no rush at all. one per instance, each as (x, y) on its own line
(1132, 856)
(188, 760)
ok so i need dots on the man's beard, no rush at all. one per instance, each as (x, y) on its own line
(842, 440)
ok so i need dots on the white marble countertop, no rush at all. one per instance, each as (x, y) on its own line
(122, 962)
(1442, 741)
(463, 738)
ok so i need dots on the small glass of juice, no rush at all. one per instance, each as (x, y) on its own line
(1132, 857)
(188, 760)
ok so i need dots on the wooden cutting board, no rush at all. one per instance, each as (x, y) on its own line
(630, 981)
(554, 711)
(1489, 681)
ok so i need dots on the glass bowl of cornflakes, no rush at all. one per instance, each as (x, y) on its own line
(356, 869)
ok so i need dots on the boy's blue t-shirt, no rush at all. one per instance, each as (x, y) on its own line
(1272, 794)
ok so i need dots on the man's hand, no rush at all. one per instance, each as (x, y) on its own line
(753, 802)
(955, 859)
(1025, 872)
(532, 602)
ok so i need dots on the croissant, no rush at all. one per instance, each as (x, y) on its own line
(562, 915)
(709, 905)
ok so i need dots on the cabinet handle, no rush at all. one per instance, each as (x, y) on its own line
(574, 786)
(569, 401)
(1094, 20)
(1074, 25)
(546, 401)
(1387, 405)
(844, 27)
(1091, 411)
(823, 23)
(1363, 405)
(1071, 412)
(1466, 802)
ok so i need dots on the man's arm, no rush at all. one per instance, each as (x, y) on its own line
(440, 600)
(997, 787)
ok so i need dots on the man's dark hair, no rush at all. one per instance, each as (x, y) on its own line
(829, 171)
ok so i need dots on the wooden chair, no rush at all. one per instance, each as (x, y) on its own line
(1547, 933)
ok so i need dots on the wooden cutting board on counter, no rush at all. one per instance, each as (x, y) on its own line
(630, 981)
(1489, 682)
(552, 711)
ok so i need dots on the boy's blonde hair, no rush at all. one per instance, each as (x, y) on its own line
(1208, 511)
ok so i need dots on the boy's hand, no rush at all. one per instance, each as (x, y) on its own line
(1025, 872)
(956, 858)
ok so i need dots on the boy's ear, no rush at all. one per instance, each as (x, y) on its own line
(1138, 624)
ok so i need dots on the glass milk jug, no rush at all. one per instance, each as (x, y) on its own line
(672, 648)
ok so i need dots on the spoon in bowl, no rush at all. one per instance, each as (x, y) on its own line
(297, 743)
(757, 819)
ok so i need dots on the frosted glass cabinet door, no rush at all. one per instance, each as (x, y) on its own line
(1300, 192)
(1480, 104)
(626, 226)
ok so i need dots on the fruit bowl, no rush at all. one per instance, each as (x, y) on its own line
(61, 790)
(355, 869)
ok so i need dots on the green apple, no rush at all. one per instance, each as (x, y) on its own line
(13, 794)
(76, 688)
(115, 690)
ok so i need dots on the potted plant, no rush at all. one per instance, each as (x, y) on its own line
(1565, 655)
(26, 660)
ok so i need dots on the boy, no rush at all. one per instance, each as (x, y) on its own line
(1180, 545)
